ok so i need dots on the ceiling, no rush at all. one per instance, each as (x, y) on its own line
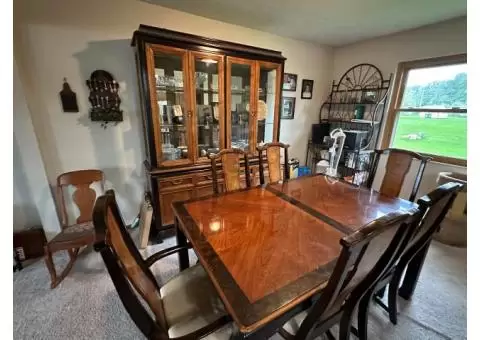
(328, 22)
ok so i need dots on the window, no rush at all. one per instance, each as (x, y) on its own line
(428, 111)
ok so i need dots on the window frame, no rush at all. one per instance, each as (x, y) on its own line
(397, 95)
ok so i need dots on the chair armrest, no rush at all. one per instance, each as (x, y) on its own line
(208, 329)
(164, 253)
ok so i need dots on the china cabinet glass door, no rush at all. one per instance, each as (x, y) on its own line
(207, 94)
(169, 84)
(240, 103)
(268, 101)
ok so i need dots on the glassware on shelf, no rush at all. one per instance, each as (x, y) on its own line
(266, 104)
(206, 104)
(171, 105)
(240, 105)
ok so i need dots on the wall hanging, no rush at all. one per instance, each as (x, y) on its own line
(289, 82)
(68, 98)
(288, 108)
(307, 89)
(104, 98)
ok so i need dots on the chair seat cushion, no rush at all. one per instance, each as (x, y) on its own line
(191, 302)
(82, 232)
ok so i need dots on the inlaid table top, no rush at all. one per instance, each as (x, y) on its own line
(346, 206)
(267, 249)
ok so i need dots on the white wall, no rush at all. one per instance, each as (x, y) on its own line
(54, 39)
(32, 199)
(447, 38)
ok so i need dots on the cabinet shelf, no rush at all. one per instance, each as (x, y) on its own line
(181, 89)
(353, 103)
(385, 88)
(361, 121)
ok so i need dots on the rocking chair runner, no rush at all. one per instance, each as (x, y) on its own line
(74, 236)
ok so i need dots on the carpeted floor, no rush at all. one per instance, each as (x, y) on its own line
(86, 306)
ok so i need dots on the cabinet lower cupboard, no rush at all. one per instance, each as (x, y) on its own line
(198, 96)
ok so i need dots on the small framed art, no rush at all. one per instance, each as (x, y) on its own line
(288, 108)
(289, 82)
(307, 89)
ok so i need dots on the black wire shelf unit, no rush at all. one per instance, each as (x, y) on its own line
(356, 102)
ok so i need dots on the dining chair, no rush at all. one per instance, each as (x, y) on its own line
(186, 307)
(273, 162)
(398, 165)
(433, 208)
(230, 161)
(366, 254)
(75, 235)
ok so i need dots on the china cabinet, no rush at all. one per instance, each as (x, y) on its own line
(198, 96)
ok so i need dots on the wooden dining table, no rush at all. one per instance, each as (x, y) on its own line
(268, 249)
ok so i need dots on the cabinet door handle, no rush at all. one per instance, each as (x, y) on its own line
(177, 181)
(189, 113)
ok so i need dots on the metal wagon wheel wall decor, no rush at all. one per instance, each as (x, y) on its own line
(360, 87)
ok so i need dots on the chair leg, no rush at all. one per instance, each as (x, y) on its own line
(345, 324)
(392, 303)
(363, 316)
(392, 295)
(56, 279)
(50, 267)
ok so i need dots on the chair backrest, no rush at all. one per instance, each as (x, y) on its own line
(398, 165)
(230, 160)
(366, 255)
(273, 162)
(83, 197)
(433, 206)
(127, 268)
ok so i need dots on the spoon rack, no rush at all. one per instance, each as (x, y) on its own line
(104, 98)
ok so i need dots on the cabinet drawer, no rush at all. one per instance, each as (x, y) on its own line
(204, 191)
(166, 200)
(174, 183)
(204, 178)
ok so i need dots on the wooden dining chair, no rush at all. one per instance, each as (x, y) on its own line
(75, 235)
(365, 256)
(433, 208)
(230, 161)
(273, 162)
(398, 165)
(186, 307)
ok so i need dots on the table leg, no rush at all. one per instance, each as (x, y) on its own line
(412, 274)
(183, 259)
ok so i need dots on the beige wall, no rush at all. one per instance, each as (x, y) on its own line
(449, 37)
(32, 198)
(54, 39)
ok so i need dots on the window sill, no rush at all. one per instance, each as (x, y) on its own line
(447, 160)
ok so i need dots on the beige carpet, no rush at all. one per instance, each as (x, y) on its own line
(86, 306)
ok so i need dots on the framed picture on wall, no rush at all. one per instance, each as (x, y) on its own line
(289, 82)
(288, 108)
(307, 89)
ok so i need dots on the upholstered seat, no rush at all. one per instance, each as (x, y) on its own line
(191, 302)
(186, 307)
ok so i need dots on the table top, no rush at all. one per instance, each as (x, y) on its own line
(341, 204)
(267, 249)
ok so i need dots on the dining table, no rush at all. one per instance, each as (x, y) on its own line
(269, 249)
